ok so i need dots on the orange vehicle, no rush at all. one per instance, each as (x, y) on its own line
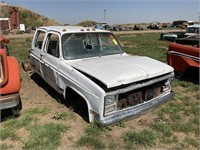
(183, 58)
(9, 80)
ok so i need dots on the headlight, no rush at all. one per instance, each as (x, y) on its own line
(110, 99)
(167, 85)
(168, 82)
(110, 103)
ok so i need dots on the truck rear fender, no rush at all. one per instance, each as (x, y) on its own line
(4, 65)
(13, 84)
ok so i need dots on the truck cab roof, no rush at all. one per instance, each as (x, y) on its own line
(71, 29)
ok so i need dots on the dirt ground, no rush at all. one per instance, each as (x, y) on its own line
(36, 93)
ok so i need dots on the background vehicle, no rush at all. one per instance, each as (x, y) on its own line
(155, 25)
(102, 26)
(9, 81)
(191, 40)
(184, 59)
(172, 36)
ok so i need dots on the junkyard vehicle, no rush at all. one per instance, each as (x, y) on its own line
(91, 63)
(182, 23)
(115, 27)
(138, 27)
(154, 25)
(172, 36)
(190, 40)
(9, 81)
(183, 58)
(102, 26)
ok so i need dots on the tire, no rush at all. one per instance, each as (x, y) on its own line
(10, 112)
(16, 110)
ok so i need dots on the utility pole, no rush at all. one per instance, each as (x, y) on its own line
(104, 19)
(199, 18)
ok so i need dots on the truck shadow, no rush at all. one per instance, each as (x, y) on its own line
(76, 106)
(189, 76)
(7, 114)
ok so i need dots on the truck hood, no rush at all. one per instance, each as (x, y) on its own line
(116, 70)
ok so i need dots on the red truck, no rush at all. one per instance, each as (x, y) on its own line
(9, 80)
(184, 58)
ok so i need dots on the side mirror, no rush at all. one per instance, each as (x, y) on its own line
(6, 41)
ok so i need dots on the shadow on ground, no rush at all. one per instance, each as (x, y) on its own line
(73, 100)
(189, 76)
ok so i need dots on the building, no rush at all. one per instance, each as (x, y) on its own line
(5, 24)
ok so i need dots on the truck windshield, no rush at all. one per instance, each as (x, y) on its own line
(192, 30)
(84, 45)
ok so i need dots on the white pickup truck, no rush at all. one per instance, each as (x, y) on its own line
(90, 62)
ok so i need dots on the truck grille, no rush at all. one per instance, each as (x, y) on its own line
(139, 96)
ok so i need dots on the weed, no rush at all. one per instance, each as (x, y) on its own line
(190, 141)
(8, 133)
(121, 124)
(92, 137)
(163, 128)
(91, 141)
(5, 146)
(182, 127)
(46, 136)
(171, 110)
(107, 129)
(36, 110)
(113, 146)
(92, 130)
(144, 138)
(63, 115)
(25, 121)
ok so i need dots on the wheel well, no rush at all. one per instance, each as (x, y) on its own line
(77, 103)
(191, 74)
(192, 71)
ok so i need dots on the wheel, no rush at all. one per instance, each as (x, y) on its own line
(16, 110)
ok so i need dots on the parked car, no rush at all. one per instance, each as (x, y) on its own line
(184, 58)
(102, 26)
(173, 36)
(190, 40)
(9, 80)
(91, 63)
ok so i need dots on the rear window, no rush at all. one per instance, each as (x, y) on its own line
(39, 39)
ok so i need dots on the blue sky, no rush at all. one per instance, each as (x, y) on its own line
(117, 11)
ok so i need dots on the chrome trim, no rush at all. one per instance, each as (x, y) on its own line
(9, 101)
(137, 111)
(184, 55)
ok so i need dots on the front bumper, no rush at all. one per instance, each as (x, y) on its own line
(135, 111)
(9, 101)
